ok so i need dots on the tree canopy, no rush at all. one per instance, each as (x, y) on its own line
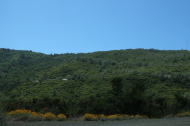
(132, 81)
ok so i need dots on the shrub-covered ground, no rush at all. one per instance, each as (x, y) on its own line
(148, 82)
(25, 117)
(184, 121)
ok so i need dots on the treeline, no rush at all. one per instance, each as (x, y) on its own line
(146, 82)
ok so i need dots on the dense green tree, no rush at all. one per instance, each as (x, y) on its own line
(133, 81)
(117, 86)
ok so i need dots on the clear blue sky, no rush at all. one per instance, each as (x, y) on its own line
(74, 26)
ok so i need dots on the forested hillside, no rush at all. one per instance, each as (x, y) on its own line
(133, 81)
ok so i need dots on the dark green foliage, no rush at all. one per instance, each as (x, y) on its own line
(117, 86)
(3, 121)
(139, 81)
(3, 103)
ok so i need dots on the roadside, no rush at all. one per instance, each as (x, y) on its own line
(180, 121)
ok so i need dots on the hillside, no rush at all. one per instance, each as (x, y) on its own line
(133, 81)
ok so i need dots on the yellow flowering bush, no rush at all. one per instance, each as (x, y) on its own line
(90, 117)
(61, 117)
(185, 114)
(20, 114)
(113, 117)
(35, 116)
(102, 117)
(140, 116)
(23, 114)
(93, 117)
(49, 116)
(125, 117)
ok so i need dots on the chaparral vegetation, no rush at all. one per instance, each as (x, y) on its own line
(116, 84)
(101, 117)
(23, 114)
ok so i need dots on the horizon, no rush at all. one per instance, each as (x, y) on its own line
(92, 52)
(58, 27)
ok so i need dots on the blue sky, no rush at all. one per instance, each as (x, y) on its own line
(74, 26)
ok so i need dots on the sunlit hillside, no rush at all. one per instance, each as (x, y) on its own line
(132, 81)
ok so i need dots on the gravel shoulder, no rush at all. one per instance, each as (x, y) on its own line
(183, 121)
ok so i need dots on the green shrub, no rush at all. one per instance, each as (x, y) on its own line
(3, 121)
